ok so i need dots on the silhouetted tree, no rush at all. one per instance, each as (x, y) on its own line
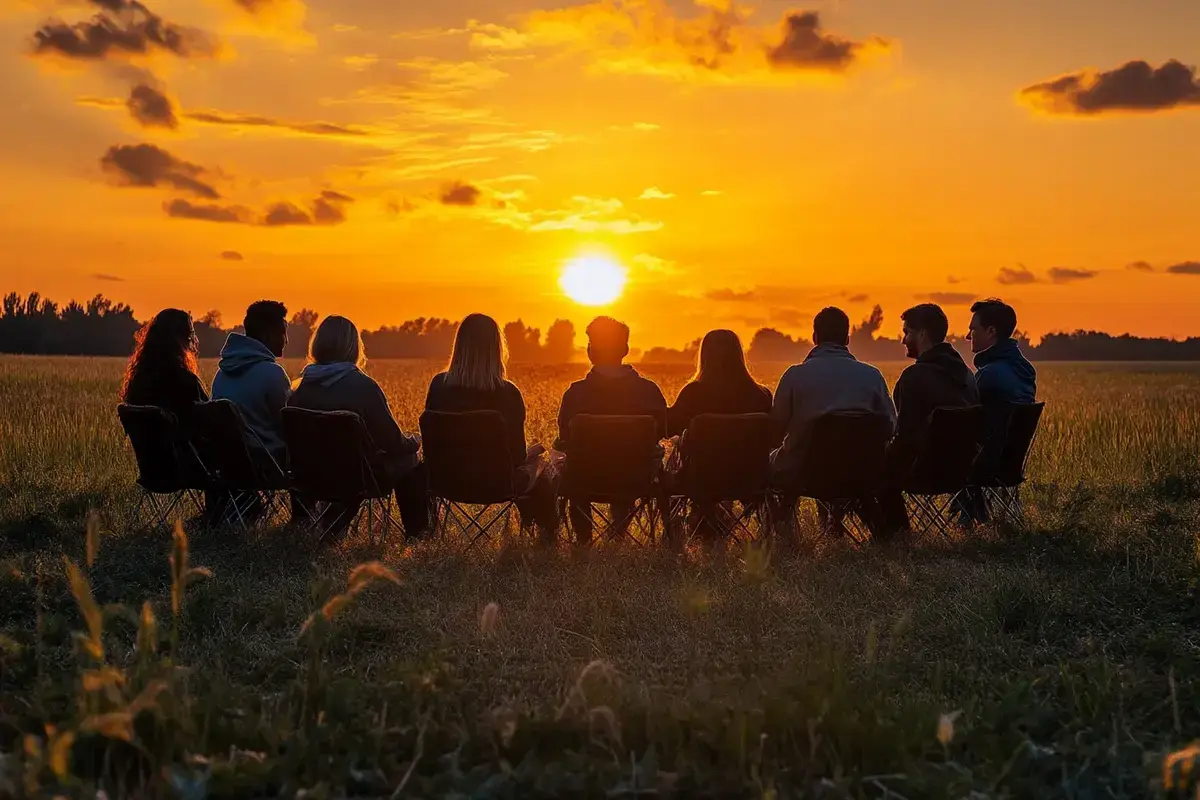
(560, 342)
(300, 330)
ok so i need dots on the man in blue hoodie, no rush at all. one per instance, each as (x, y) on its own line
(610, 388)
(1003, 376)
(253, 379)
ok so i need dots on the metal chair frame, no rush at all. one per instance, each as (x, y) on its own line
(162, 504)
(935, 511)
(1006, 499)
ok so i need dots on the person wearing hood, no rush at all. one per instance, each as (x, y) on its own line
(250, 376)
(610, 388)
(830, 380)
(334, 380)
(939, 379)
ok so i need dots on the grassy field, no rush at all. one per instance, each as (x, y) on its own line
(1059, 662)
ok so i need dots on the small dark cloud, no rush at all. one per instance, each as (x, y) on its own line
(1185, 268)
(327, 209)
(123, 28)
(255, 121)
(805, 46)
(731, 296)
(151, 107)
(232, 255)
(1069, 275)
(207, 212)
(948, 298)
(1135, 87)
(148, 165)
(857, 298)
(1015, 276)
(285, 213)
(953, 280)
(103, 276)
(460, 194)
(1140, 266)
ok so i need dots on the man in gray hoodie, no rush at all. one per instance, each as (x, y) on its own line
(253, 379)
(830, 380)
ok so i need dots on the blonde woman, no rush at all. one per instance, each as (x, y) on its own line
(334, 380)
(475, 381)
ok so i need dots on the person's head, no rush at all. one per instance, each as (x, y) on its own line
(721, 358)
(924, 326)
(336, 340)
(831, 326)
(164, 343)
(477, 360)
(266, 321)
(992, 321)
(608, 341)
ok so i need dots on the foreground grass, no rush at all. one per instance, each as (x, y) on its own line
(1061, 662)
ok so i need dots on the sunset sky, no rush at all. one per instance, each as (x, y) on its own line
(747, 163)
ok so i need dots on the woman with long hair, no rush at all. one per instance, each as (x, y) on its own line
(162, 370)
(722, 384)
(334, 380)
(475, 381)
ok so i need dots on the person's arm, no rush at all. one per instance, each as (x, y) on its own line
(680, 414)
(385, 431)
(659, 410)
(278, 392)
(566, 411)
(988, 381)
(886, 408)
(515, 422)
(201, 392)
(781, 408)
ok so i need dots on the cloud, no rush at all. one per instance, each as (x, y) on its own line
(232, 255)
(255, 121)
(327, 209)
(146, 165)
(151, 107)
(591, 215)
(953, 279)
(948, 298)
(712, 40)
(103, 276)
(654, 193)
(1140, 266)
(459, 194)
(732, 296)
(1185, 268)
(711, 193)
(1069, 275)
(805, 46)
(654, 263)
(1136, 87)
(1015, 276)
(857, 298)
(206, 212)
(123, 29)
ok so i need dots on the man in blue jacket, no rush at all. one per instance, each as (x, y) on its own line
(1003, 376)
(251, 376)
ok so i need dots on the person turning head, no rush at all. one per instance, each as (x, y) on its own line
(251, 376)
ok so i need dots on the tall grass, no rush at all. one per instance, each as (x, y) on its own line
(1055, 663)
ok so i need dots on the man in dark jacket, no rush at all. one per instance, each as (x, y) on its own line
(610, 388)
(251, 377)
(939, 379)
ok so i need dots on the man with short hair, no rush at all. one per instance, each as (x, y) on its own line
(939, 379)
(610, 388)
(830, 380)
(251, 377)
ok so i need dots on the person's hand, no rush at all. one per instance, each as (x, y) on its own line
(535, 450)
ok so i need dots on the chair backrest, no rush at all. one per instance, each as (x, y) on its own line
(727, 456)
(467, 456)
(1007, 467)
(612, 456)
(219, 433)
(331, 456)
(843, 456)
(947, 452)
(166, 462)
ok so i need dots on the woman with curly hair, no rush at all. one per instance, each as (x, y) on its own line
(162, 369)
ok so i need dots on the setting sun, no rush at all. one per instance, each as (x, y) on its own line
(593, 280)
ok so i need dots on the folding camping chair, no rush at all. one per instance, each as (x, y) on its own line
(334, 467)
(614, 460)
(1001, 468)
(241, 467)
(170, 474)
(942, 469)
(726, 475)
(840, 467)
(469, 464)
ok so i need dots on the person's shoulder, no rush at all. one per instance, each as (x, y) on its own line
(511, 390)
(437, 381)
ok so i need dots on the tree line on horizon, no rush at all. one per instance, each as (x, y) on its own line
(35, 325)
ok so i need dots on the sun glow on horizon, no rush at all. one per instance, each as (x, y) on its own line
(593, 280)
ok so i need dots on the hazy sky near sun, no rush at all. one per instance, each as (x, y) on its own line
(748, 163)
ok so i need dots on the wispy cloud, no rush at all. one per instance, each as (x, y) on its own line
(1070, 275)
(147, 165)
(122, 29)
(948, 298)
(654, 193)
(1016, 276)
(1136, 87)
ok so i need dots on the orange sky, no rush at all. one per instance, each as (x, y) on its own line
(748, 164)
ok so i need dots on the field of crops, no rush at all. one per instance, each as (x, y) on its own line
(1062, 661)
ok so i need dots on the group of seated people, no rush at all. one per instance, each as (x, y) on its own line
(163, 372)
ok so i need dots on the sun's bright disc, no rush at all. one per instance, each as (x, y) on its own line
(593, 280)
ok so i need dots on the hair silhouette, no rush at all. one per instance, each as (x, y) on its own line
(164, 343)
(722, 358)
(930, 318)
(478, 358)
(337, 340)
(995, 313)
(831, 326)
(265, 317)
